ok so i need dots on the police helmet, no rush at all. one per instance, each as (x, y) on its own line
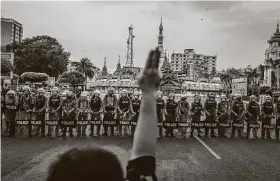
(96, 92)
(84, 94)
(238, 96)
(124, 91)
(268, 97)
(253, 97)
(223, 96)
(55, 89)
(197, 97)
(41, 90)
(25, 88)
(171, 94)
(211, 94)
(11, 92)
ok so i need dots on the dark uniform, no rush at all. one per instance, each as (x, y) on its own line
(82, 107)
(96, 107)
(210, 107)
(277, 130)
(171, 110)
(183, 112)
(68, 114)
(267, 110)
(55, 111)
(11, 110)
(136, 109)
(237, 108)
(110, 108)
(253, 111)
(223, 116)
(40, 109)
(124, 105)
(2, 110)
(160, 109)
(196, 112)
(26, 107)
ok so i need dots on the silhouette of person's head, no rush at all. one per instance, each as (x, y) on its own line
(86, 164)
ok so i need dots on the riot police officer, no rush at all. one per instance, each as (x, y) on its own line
(26, 108)
(54, 110)
(82, 108)
(96, 107)
(267, 114)
(136, 102)
(11, 102)
(196, 112)
(238, 114)
(253, 111)
(277, 112)
(170, 113)
(183, 112)
(40, 110)
(223, 114)
(124, 108)
(210, 108)
(68, 112)
(110, 109)
(160, 110)
(3, 110)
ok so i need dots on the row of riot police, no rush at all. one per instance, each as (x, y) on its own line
(226, 111)
(66, 106)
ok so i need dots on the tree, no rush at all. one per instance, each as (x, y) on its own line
(85, 67)
(6, 66)
(72, 78)
(34, 77)
(39, 54)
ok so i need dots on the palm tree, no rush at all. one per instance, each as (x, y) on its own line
(85, 67)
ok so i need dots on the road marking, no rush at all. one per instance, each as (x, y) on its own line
(208, 148)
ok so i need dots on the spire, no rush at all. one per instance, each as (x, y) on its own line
(160, 26)
(119, 67)
(104, 69)
(277, 29)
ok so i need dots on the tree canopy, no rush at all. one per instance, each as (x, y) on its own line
(72, 78)
(85, 67)
(6, 66)
(34, 77)
(39, 54)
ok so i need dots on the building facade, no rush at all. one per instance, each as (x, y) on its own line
(272, 59)
(239, 86)
(11, 31)
(191, 64)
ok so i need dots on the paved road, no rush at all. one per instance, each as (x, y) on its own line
(214, 159)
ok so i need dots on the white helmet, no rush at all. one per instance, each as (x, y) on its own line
(55, 89)
(64, 94)
(25, 88)
(268, 97)
(11, 92)
(171, 94)
(184, 96)
(96, 92)
(41, 90)
(84, 94)
(223, 96)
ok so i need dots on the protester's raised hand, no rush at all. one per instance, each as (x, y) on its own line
(150, 79)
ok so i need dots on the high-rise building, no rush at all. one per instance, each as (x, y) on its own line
(191, 64)
(11, 31)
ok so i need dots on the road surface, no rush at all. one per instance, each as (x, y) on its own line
(216, 159)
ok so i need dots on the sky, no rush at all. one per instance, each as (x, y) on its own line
(236, 31)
